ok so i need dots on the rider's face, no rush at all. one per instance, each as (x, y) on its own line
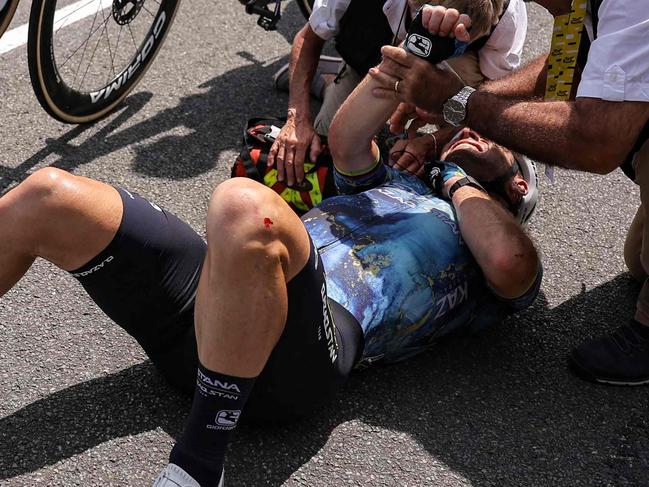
(481, 156)
(486, 161)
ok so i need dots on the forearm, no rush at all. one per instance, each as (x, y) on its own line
(501, 248)
(357, 121)
(569, 134)
(305, 55)
(525, 83)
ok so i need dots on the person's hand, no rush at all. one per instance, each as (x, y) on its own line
(290, 147)
(403, 113)
(409, 155)
(445, 22)
(407, 111)
(419, 82)
(409, 78)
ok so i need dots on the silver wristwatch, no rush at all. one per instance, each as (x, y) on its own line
(455, 107)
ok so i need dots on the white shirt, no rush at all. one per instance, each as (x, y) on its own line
(499, 56)
(618, 60)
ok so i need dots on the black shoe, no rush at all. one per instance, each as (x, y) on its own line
(619, 358)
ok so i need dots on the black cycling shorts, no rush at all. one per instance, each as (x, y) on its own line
(146, 281)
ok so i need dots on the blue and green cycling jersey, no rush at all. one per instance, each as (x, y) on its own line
(394, 257)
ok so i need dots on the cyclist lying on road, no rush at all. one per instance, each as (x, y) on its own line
(275, 311)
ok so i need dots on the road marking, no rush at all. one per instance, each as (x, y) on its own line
(67, 15)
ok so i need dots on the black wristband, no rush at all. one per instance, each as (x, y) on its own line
(465, 181)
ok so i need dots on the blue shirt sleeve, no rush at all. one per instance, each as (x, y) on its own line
(357, 184)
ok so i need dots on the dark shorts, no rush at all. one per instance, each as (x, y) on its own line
(146, 281)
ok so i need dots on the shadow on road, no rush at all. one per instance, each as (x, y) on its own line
(498, 408)
(211, 121)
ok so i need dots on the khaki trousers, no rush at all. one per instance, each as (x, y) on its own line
(636, 246)
(466, 66)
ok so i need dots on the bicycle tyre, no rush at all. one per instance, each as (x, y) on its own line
(68, 104)
(306, 7)
(7, 14)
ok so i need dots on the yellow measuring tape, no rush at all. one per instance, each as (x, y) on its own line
(566, 37)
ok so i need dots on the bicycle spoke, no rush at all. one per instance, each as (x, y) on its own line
(84, 42)
(90, 62)
(119, 35)
(75, 11)
(110, 52)
(133, 38)
(148, 11)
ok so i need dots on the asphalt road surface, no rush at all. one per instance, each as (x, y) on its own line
(81, 405)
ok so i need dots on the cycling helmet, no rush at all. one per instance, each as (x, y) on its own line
(525, 209)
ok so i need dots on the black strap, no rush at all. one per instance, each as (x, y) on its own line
(465, 181)
(256, 171)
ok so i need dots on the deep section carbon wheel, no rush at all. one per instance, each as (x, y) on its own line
(86, 56)
(7, 10)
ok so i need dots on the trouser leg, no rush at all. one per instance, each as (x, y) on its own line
(638, 237)
(633, 246)
(335, 94)
(467, 67)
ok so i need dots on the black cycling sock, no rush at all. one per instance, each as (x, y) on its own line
(640, 329)
(217, 405)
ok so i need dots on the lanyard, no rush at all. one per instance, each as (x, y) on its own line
(566, 37)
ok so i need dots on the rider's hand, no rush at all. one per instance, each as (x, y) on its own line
(290, 147)
(407, 111)
(409, 155)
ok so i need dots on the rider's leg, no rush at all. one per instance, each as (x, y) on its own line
(63, 218)
(256, 244)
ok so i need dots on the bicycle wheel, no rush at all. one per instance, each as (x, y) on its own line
(7, 10)
(85, 58)
(306, 7)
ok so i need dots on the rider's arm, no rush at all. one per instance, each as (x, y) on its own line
(501, 248)
(298, 132)
(353, 128)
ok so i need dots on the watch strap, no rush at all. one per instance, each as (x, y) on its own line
(465, 181)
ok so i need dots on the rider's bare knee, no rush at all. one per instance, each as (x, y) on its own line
(242, 208)
(44, 190)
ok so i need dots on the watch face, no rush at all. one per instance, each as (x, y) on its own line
(454, 111)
